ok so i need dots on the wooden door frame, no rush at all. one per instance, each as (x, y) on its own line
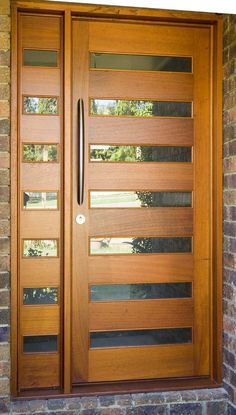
(68, 11)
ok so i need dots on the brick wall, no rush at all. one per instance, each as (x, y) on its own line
(229, 136)
(198, 402)
(4, 193)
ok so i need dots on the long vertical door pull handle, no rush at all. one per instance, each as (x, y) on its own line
(80, 193)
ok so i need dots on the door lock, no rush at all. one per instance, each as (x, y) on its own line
(80, 219)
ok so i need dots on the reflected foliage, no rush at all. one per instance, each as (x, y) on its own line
(38, 152)
(40, 105)
(140, 153)
(40, 248)
(140, 108)
(40, 296)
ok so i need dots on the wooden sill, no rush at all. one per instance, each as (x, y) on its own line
(113, 388)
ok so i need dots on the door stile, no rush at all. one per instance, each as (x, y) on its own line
(67, 202)
(80, 342)
(202, 201)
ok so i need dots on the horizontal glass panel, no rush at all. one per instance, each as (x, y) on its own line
(103, 246)
(40, 295)
(34, 57)
(140, 291)
(138, 108)
(140, 153)
(140, 62)
(40, 152)
(140, 337)
(40, 105)
(39, 344)
(40, 200)
(113, 199)
(40, 248)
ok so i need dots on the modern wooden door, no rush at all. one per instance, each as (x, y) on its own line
(141, 200)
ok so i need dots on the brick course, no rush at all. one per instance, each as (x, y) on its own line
(229, 136)
(195, 402)
(4, 197)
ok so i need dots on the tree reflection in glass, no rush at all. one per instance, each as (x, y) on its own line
(40, 296)
(140, 108)
(40, 152)
(141, 245)
(40, 248)
(40, 105)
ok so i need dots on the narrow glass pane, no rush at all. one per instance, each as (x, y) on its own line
(39, 344)
(140, 153)
(140, 337)
(40, 152)
(138, 108)
(104, 246)
(40, 248)
(40, 296)
(140, 62)
(140, 291)
(40, 105)
(40, 200)
(33, 57)
(113, 199)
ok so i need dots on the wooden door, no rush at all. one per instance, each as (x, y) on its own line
(141, 256)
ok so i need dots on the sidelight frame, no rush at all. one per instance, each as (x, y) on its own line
(70, 11)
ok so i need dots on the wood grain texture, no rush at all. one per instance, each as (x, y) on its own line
(117, 130)
(44, 225)
(139, 85)
(155, 39)
(140, 314)
(79, 234)
(41, 32)
(202, 201)
(139, 269)
(40, 128)
(67, 323)
(39, 272)
(150, 222)
(46, 175)
(140, 362)
(38, 365)
(40, 320)
(41, 81)
(162, 176)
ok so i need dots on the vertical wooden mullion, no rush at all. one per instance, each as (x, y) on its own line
(14, 204)
(217, 174)
(67, 202)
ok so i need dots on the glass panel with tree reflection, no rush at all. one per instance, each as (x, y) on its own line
(40, 296)
(141, 245)
(40, 248)
(39, 344)
(40, 153)
(117, 292)
(113, 199)
(100, 152)
(40, 105)
(140, 62)
(140, 108)
(40, 200)
(140, 337)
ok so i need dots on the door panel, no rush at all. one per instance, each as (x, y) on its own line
(136, 109)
